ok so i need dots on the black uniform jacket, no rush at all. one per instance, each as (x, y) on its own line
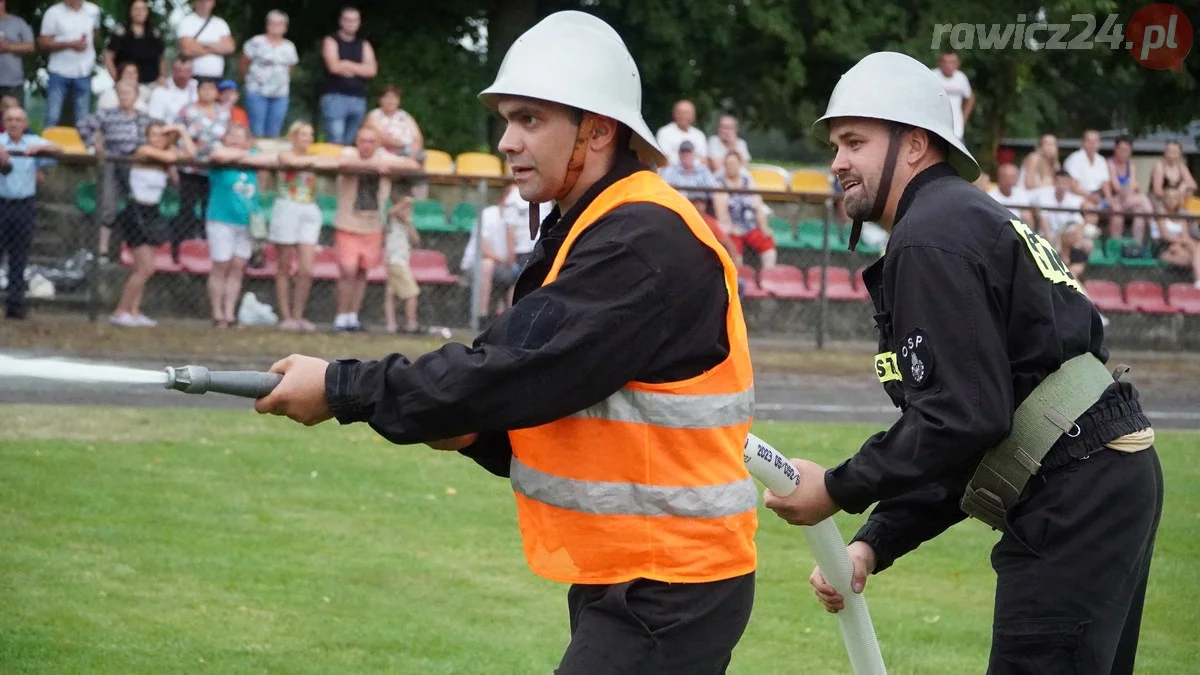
(972, 312)
(639, 299)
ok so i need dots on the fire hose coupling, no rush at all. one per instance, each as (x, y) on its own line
(201, 380)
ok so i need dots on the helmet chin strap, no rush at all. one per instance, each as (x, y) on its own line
(587, 128)
(885, 185)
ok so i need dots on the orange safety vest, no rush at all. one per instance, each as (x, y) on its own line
(649, 483)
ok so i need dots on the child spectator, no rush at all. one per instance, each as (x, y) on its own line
(233, 200)
(401, 238)
(141, 225)
(1174, 243)
(296, 226)
(229, 98)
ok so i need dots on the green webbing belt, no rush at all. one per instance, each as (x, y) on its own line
(1049, 412)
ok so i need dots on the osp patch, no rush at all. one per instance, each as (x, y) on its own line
(915, 358)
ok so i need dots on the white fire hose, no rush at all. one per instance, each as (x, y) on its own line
(774, 470)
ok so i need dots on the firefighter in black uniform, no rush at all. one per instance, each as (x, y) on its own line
(995, 357)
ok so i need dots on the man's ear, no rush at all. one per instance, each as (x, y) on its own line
(604, 132)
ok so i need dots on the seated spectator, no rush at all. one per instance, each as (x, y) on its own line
(167, 101)
(19, 178)
(1175, 243)
(362, 192)
(515, 212)
(401, 238)
(1040, 166)
(721, 232)
(1126, 192)
(296, 226)
(206, 121)
(1009, 193)
(266, 68)
(137, 41)
(1171, 173)
(747, 214)
(141, 225)
(670, 136)
(498, 269)
(115, 134)
(689, 172)
(1066, 229)
(233, 201)
(726, 139)
(1089, 170)
(206, 40)
(127, 72)
(228, 92)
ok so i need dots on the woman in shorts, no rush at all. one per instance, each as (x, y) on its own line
(232, 201)
(296, 226)
(140, 224)
(1174, 243)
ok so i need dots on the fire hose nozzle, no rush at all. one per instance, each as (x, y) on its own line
(201, 380)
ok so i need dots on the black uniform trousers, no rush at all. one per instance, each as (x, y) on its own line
(18, 220)
(651, 627)
(1072, 567)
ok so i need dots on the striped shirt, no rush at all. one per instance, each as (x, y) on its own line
(123, 132)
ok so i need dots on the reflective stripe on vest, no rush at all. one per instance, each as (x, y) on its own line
(650, 482)
(631, 499)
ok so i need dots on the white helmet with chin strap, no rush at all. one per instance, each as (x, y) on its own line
(894, 87)
(577, 60)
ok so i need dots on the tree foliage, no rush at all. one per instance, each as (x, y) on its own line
(772, 63)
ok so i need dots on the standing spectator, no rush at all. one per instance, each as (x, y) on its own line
(19, 178)
(232, 202)
(670, 136)
(747, 213)
(1126, 192)
(1040, 166)
(206, 40)
(16, 40)
(296, 225)
(1090, 171)
(689, 172)
(168, 101)
(69, 32)
(115, 134)
(127, 72)
(362, 193)
(726, 140)
(958, 89)
(349, 63)
(228, 94)
(1009, 193)
(140, 222)
(266, 68)
(206, 122)
(401, 238)
(1174, 243)
(400, 132)
(1171, 173)
(137, 41)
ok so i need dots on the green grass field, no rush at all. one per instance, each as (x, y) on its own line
(155, 541)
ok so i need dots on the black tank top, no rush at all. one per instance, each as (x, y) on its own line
(348, 50)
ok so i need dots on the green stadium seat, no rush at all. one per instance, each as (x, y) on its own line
(1100, 258)
(811, 234)
(328, 206)
(1114, 250)
(464, 216)
(85, 197)
(430, 216)
(785, 234)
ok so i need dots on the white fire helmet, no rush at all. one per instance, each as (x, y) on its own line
(578, 60)
(895, 87)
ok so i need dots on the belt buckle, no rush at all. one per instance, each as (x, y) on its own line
(984, 505)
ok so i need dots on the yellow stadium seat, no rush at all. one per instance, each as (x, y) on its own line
(809, 180)
(438, 161)
(1192, 205)
(325, 149)
(478, 164)
(768, 179)
(67, 138)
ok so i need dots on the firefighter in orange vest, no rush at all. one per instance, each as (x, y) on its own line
(616, 393)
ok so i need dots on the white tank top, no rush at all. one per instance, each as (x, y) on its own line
(146, 184)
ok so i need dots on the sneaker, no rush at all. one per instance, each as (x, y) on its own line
(145, 321)
(124, 319)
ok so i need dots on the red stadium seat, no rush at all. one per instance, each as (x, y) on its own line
(750, 287)
(1147, 297)
(859, 283)
(1106, 296)
(193, 255)
(429, 267)
(839, 286)
(378, 274)
(325, 265)
(270, 265)
(1185, 298)
(785, 281)
(163, 263)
